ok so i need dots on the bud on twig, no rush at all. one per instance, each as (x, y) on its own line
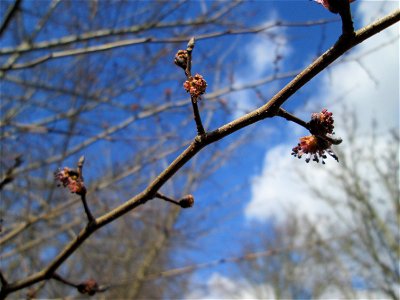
(89, 287)
(181, 58)
(71, 179)
(187, 201)
(190, 44)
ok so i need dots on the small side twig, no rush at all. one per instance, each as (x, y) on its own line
(185, 202)
(347, 22)
(9, 176)
(195, 85)
(290, 117)
(57, 277)
(89, 286)
(73, 180)
(188, 73)
(90, 217)
(189, 49)
(11, 11)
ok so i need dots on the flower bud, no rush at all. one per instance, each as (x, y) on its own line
(334, 6)
(187, 201)
(321, 123)
(89, 287)
(71, 179)
(181, 58)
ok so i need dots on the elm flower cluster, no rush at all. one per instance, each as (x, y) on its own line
(333, 6)
(196, 86)
(71, 179)
(316, 146)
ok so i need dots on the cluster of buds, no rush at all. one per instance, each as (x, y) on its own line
(316, 146)
(334, 6)
(89, 287)
(71, 179)
(196, 86)
(321, 123)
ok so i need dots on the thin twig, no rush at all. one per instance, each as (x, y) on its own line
(57, 277)
(12, 9)
(89, 215)
(188, 70)
(163, 197)
(288, 116)
(9, 176)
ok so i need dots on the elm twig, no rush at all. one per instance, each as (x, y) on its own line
(89, 215)
(185, 202)
(188, 70)
(290, 117)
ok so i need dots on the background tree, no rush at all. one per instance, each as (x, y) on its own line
(351, 251)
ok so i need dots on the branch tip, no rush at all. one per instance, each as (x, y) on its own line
(190, 44)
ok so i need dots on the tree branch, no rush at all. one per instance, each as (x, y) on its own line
(270, 109)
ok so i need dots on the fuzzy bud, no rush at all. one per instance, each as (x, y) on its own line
(322, 123)
(187, 201)
(89, 287)
(181, 58)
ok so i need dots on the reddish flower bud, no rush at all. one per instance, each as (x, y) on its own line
(70, 178)
(89, 287)
(334, 6)
(187, 201)
(321, 123)
(315, 147)
(196, 86)
(181, 58)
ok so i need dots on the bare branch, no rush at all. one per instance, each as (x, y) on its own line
(131, 42)
(270, 109)
(11, 11)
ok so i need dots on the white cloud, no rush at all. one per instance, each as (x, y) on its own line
(278, 190)
(371, 88)
(219, 286)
